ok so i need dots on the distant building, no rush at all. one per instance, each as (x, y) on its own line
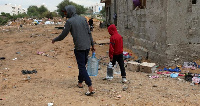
(96, 8)
(12, 9)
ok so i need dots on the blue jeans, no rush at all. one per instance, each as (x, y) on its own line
(82, 58)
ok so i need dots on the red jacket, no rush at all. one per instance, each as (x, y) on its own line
(116, 41)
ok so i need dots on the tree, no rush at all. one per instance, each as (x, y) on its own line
(42, 9)
(33, 11)
(79, 8)
(103, 11)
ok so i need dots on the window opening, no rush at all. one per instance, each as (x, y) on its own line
(139, 4)
(194, 1)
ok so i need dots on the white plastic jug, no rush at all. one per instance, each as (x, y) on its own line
(117, 68)
(92, 65)
(109, 71)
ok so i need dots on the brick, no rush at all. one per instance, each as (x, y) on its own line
(146, 67)
(133, 66)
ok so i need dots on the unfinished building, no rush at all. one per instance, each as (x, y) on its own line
(164, 31)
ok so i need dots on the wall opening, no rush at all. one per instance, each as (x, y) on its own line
(194, 1)
(139, 4)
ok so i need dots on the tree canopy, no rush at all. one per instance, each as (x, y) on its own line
(79, 8)
(103, 11)
(40, 12)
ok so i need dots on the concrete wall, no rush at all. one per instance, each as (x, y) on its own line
(110, 11)
(183, 34)
(164, 32)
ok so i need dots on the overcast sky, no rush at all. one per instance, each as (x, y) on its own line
(50, 4)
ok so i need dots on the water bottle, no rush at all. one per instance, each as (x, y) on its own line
(109, 71)
(117, 69)
(92, 65)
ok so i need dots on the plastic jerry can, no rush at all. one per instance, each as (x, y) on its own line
(116, 68)
(92, 65)
(109, 71)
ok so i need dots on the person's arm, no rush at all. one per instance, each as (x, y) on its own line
(92, 43)
(64, 33)
(111, 48)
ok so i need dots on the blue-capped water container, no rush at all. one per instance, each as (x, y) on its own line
(92, 65)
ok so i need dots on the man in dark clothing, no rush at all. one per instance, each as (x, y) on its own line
(82, 39)
(91, 24)
(116, 50)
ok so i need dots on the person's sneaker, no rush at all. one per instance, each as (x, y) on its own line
(124, 80)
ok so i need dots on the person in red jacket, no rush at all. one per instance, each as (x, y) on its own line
(116, 50)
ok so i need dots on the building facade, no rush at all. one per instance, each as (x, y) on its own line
(12, 9)
(163, 31)
(96, 8)
(111, 11)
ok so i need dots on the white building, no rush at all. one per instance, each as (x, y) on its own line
(97, 8)
(12, 9)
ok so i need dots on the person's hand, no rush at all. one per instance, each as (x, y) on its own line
(93, 49)
(111, 60)
(53, 41)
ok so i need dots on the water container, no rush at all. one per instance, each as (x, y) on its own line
(117, 69)
(92, 65)
(109, 71)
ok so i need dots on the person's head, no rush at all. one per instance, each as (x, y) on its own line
(69, 11)
(112, 29)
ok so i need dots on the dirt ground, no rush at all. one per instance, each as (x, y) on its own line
(30, 48)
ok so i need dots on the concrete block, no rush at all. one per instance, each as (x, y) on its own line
(147, 67)
(133, 66)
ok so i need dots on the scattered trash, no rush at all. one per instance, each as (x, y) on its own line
(28, 78)
(2, 58)
(125, 87)
(174, 75)
(118, 97)
(188, 77)
(180, 79)
(139, 60)
(126, 55)
(173, 70)
(59, 27)
(48, 22)
(154, 86)
(190, 65)
(50, 104)
(28, 72)
(181, 74)
(155, 76)
(14, 59)
(195, 80)
(166, 72)
(42, 53)
(192, 84)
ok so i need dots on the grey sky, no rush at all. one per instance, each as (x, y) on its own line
(50, 4)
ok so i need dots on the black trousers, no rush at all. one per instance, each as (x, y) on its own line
(81, 58)
(120, 60)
